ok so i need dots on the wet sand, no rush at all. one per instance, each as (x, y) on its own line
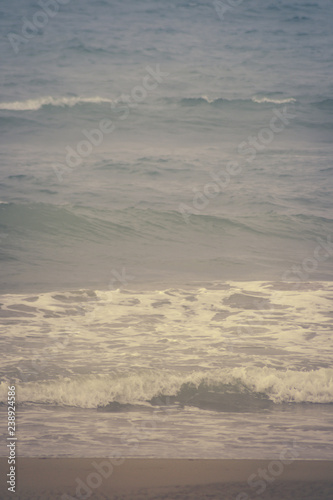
(167, 479)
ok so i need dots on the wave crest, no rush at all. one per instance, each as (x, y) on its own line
(271, 100)
(36, 104)
(204, 99)
(244, 384)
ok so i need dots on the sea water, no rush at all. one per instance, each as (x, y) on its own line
(166, 234)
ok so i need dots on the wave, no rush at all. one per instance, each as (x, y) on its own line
(229, 389)
(326, 104)
(192, 101)
(61, 102)
(204, 99)
(263, 100)
(91, 224)
(40, 102)
(72, 222)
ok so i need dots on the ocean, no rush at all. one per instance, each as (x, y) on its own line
(166, 235)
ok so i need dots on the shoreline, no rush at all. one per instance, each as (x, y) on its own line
(137, 478)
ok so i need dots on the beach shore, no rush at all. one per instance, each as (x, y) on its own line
(167, 479)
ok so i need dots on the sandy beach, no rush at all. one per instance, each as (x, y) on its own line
(157, 479)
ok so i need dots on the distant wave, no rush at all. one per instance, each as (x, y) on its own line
(324, 104)
(36, 104)
(87, 224)
(208, 99)
(217, 389)
(40, 102)
(263, 100)
(192, 101)
(204, 99)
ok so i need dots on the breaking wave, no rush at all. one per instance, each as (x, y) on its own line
(36, 104)
(204, 99)
(234, 389)
(263, 100)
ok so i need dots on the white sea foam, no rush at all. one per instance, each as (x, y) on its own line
(315, 386)
(255, 99)
(35, 104)
(246, 324)
(261, 100)
(90, 391)
(210, 101)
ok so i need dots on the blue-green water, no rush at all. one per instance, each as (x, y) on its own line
(166, 234)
